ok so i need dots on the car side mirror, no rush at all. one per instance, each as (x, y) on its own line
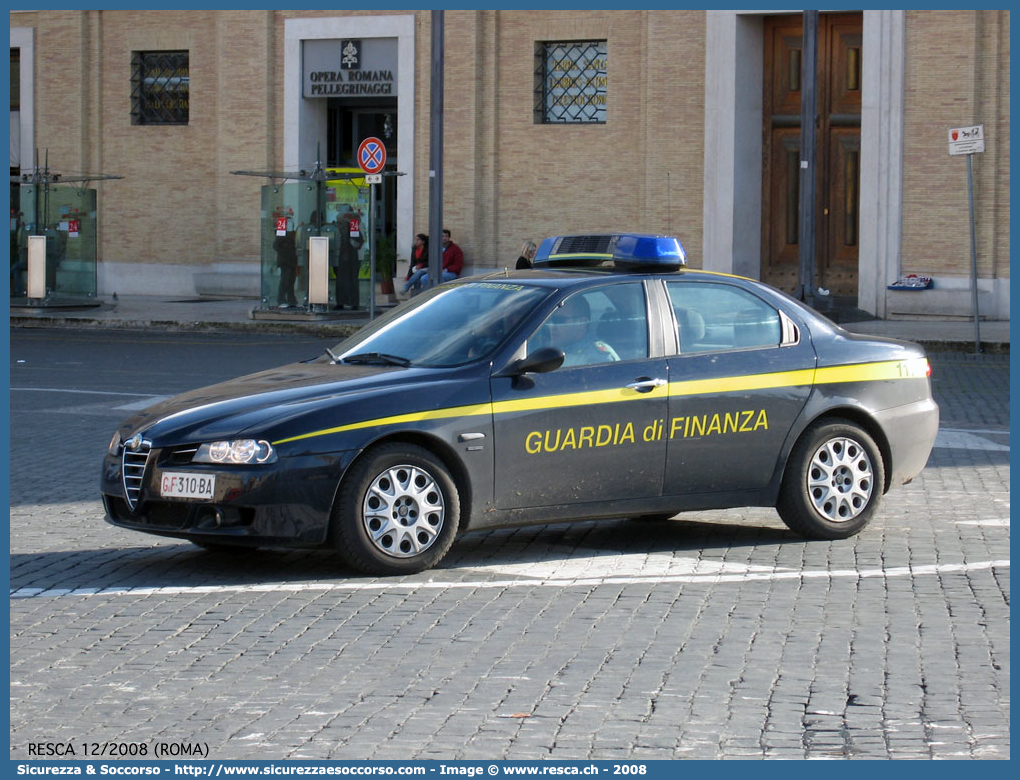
(541, 361)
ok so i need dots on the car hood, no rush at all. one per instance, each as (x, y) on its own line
(230, 408)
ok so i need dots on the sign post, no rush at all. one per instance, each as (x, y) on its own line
(969, 141)
(372, 159)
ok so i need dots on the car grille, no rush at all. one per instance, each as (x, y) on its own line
(133, 470)
(167, 516)
(174, 516)
(181, 456)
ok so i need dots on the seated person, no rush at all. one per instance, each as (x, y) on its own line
(419, 265)
(453, 262)
(571, 329)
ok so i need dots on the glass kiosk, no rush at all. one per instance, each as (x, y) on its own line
(292, 214)
(53, 246)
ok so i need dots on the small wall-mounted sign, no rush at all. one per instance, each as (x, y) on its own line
(967, 140)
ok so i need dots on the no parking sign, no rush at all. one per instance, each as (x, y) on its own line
(371, 155)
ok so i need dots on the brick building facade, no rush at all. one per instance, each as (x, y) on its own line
(680, 147)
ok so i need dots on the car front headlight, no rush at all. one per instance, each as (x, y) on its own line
(114, 447)
(236, 452)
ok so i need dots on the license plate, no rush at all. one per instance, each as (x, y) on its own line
(175, 484)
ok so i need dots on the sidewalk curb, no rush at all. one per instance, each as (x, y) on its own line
(987, 347)
(310, 328)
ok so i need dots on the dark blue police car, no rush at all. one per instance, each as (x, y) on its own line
(607, 381)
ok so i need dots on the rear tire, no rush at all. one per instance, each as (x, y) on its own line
(833, 482)
(397, 511)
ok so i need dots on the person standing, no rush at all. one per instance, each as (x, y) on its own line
(286, 261)
(350, 239)
(19, 256)
(527, 256)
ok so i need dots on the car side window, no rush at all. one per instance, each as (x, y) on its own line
(714, 317)
(601, 325)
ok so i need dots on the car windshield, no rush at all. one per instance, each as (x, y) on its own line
(445, 326)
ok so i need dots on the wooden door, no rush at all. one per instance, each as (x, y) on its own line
(837, 209)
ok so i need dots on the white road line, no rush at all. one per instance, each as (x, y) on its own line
(145, 399)
(979, 431)
(82, 392)
(963, 440)
(134, 406)
(308, 587)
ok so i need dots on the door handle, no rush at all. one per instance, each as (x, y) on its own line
(646, 384)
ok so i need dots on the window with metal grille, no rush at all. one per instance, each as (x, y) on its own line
(15, 79)
(571, 82)
(159, 88)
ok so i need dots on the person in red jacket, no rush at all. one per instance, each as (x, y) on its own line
(453, 261)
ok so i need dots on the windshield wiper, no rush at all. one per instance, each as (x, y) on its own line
(334, 359)
(377, 357)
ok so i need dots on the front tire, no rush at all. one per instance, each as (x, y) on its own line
(833, 482)
(397, 512)
(214, 547)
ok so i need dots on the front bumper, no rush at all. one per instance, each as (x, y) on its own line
(286, 503)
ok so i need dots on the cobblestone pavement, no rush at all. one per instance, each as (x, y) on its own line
(717, 635)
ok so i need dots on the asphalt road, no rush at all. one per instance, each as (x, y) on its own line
(716, 635)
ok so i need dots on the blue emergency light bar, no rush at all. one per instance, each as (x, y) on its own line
(626, 251)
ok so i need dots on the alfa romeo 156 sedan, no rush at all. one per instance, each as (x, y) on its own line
(608, 381)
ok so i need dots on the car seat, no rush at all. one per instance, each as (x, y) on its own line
(692, 328)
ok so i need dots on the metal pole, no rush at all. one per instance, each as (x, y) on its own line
(436, 153)
(46, 195)
(808, 155)
(37, 180)
(973, 256)
(371, 252)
